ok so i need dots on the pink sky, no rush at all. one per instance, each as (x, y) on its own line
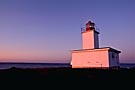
(46, 30)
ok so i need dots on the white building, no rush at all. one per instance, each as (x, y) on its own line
(91, 56)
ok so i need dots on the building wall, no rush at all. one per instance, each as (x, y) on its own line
(113, 59)
(92, 58)
(88, 39)
(96, 40)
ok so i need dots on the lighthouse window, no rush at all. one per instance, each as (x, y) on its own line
(113, 56)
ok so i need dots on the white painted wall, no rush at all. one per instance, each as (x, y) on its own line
(96, 40)
(90, 39)
(113, 59)
(92, 58)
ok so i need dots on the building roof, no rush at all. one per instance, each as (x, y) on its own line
(84, 31)
(99, 49)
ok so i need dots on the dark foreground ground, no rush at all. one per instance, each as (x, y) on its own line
(67, 77)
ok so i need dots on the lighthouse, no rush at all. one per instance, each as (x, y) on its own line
(90, 36)
(91, 55)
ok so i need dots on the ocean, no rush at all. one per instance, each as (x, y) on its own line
(127, 65)
(6, 65)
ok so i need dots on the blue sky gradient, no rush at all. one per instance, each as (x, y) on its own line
(47, 30)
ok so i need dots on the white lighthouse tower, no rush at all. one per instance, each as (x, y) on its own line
(90, 37)
(91, 56)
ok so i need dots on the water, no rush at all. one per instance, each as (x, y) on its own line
(50, 65)
(33, 65)
(127, 65)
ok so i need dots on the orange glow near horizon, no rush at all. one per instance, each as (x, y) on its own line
(31, 56)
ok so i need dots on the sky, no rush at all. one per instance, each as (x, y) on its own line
(47, 30)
